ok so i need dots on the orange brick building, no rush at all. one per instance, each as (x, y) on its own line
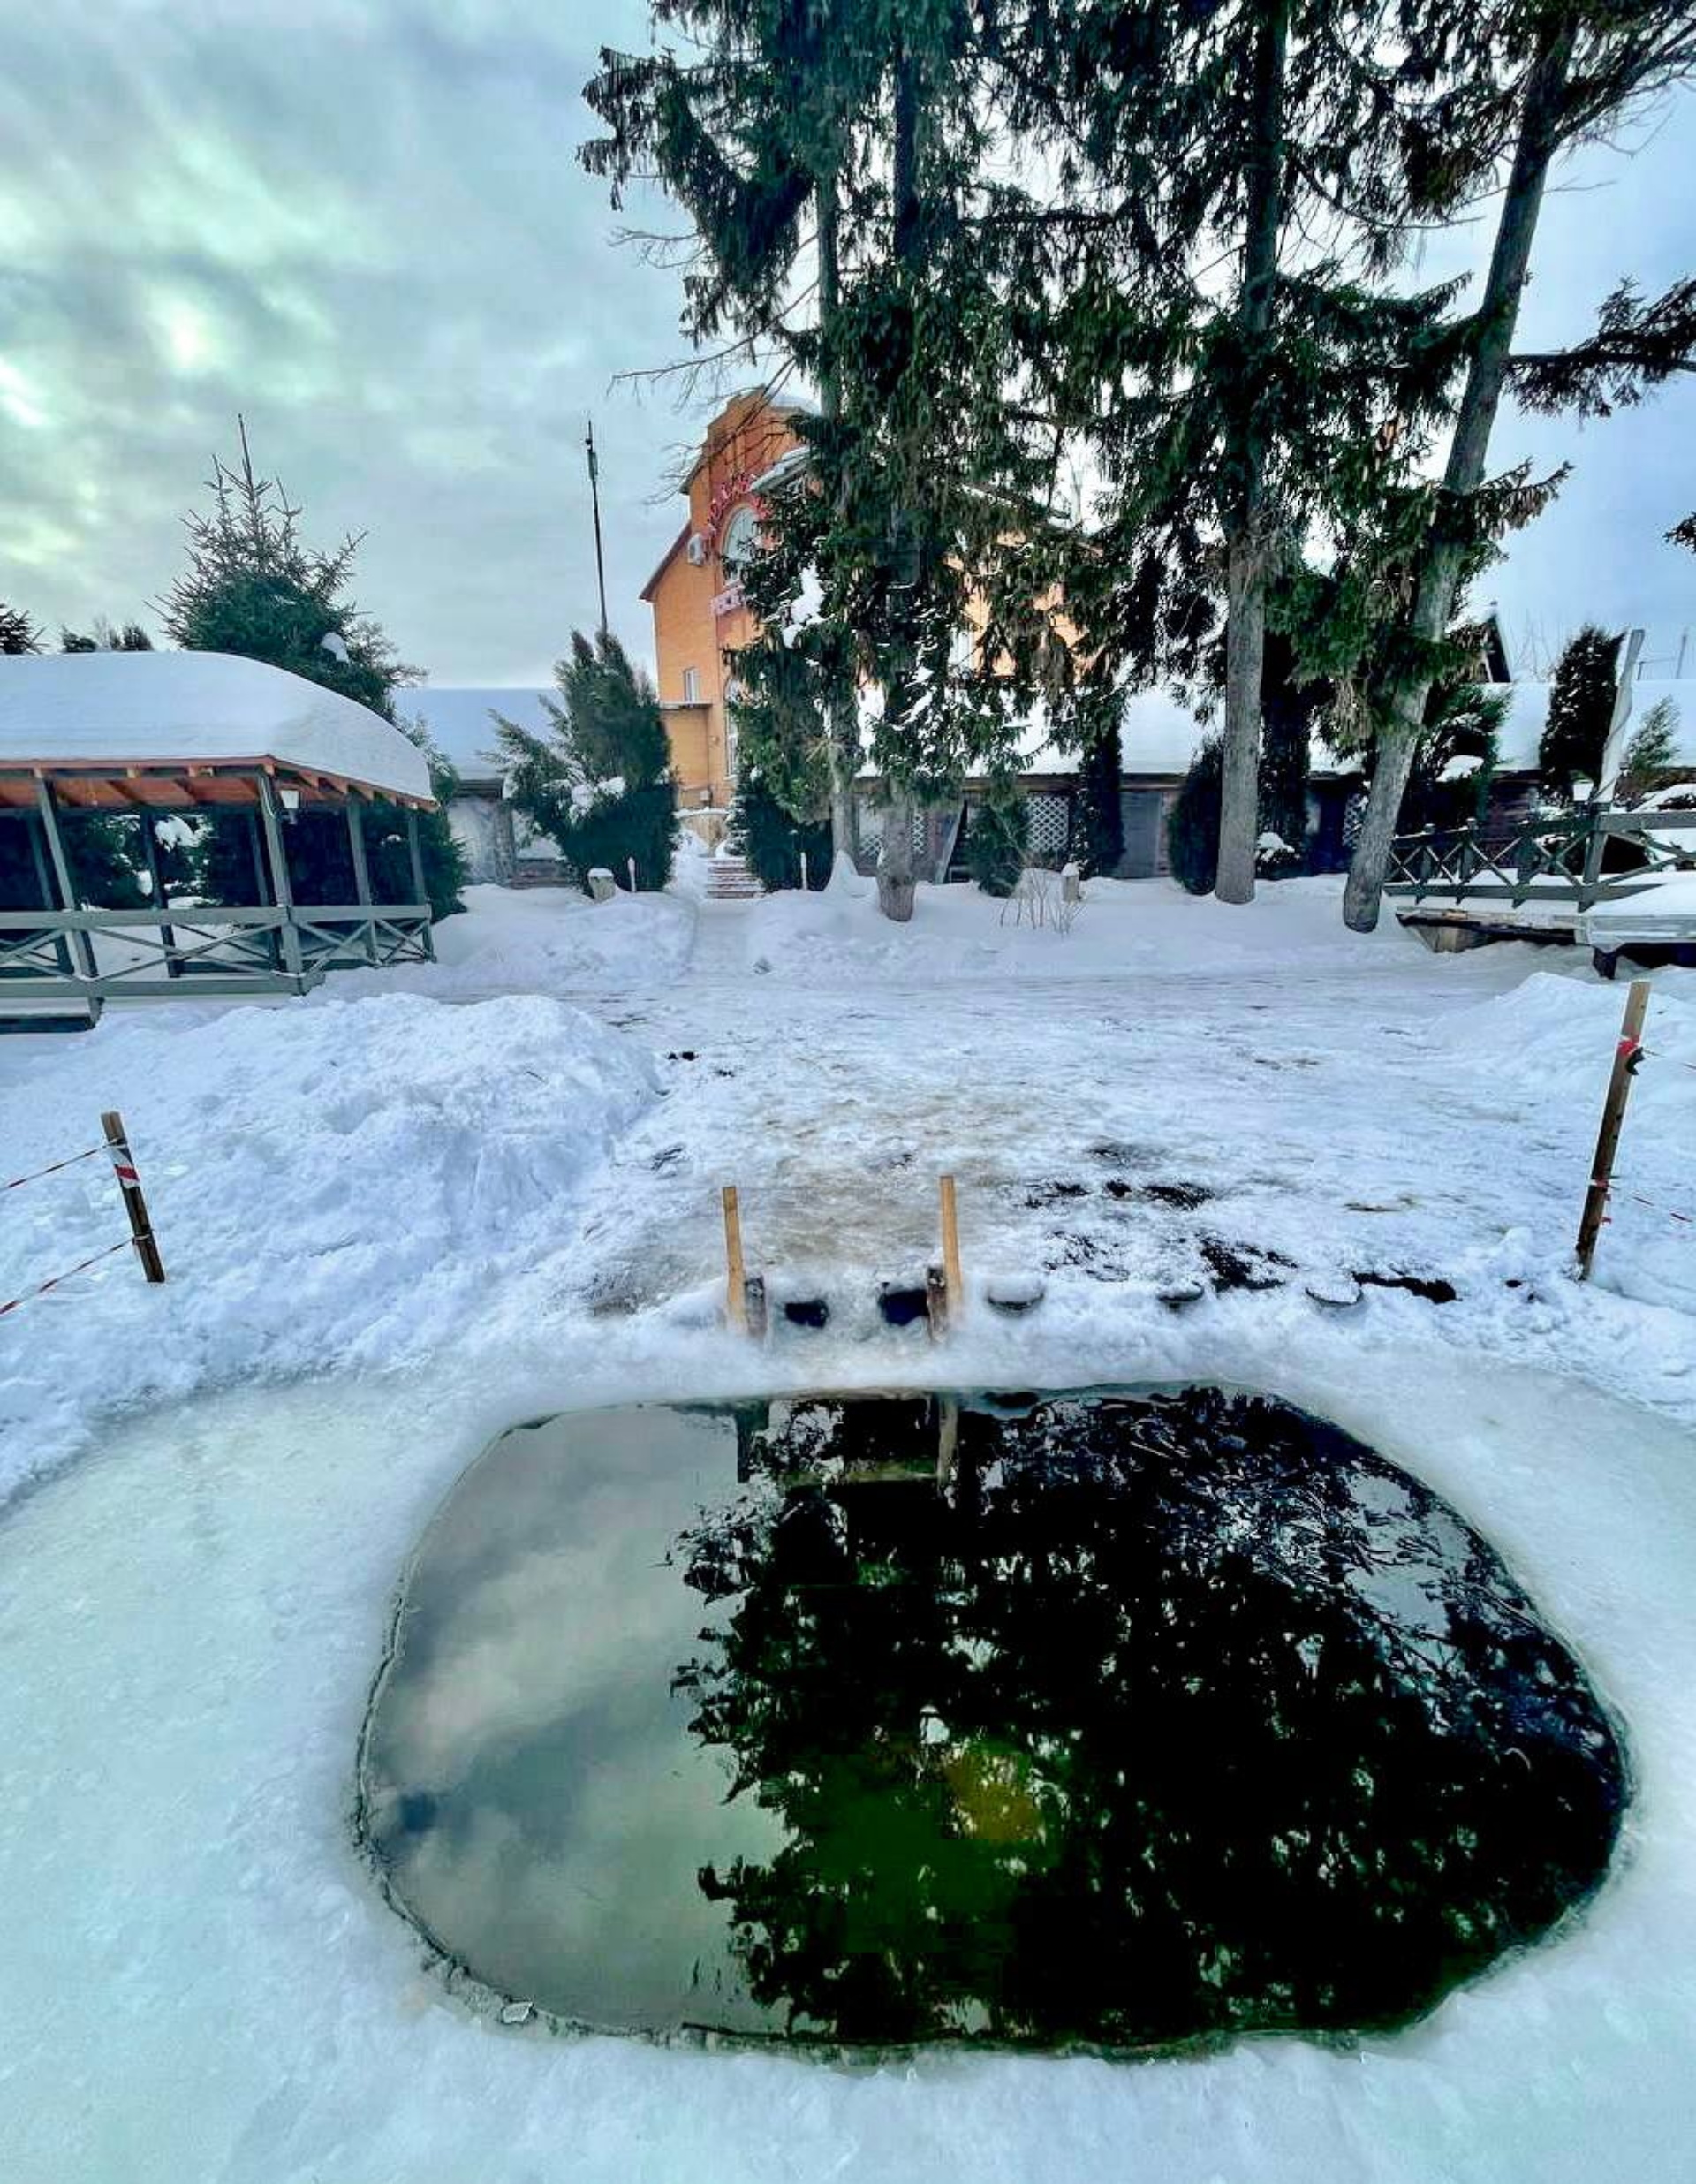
(697, 599)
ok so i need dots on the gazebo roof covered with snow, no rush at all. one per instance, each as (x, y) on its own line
(206, 737)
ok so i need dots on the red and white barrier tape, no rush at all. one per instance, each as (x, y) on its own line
(1612, 1190)
(17, 1181)
(29, 1294)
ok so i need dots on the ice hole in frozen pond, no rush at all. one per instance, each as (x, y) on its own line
(1111, 1720)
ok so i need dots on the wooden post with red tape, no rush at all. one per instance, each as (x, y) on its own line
(146, 1248)
(1627, 1054)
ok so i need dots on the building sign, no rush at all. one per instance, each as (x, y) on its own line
(732, 491)
(729, 600)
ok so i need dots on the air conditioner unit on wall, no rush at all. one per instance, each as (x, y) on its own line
(698, 550)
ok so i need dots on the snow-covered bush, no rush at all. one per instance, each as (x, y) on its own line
(998, 841)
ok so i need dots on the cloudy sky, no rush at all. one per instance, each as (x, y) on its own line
(360, 222)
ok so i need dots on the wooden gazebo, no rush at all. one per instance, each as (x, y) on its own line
(148, 735)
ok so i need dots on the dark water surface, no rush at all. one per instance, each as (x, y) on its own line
(1114, 1719)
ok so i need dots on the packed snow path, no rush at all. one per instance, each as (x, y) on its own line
(500, 1206)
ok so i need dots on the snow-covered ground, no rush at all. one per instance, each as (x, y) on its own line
(403, 1214)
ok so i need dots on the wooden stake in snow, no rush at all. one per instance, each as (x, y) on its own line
(1626, 1055)
(630, 867)
(936, 1300)
(804, 880)
(952, 1250)
(135, 1205)
(736, 1294)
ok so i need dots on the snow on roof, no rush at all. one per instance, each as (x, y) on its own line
(158, 707)
(460, 727)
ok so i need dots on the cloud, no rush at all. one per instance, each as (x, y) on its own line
(371, 236)
(362, 223)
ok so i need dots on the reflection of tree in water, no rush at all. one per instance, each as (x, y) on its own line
(1156, 1718)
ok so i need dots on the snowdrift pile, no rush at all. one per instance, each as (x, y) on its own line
(543, 940)
(1544, 1049)
(344, 1183)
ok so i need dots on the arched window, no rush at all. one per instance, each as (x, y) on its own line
(740, 543)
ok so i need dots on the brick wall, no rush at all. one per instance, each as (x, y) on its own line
(742, 442)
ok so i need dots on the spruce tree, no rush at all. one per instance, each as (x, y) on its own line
(1098, 824)
(1651, 757)
(1245, 387)
(18, 633)
(763, 832)
(1192, 829)
(1580, 712)
(106, 636)
(871, 115)
(1557, 74)
(253, 586)
(998, 840)
(598, 781)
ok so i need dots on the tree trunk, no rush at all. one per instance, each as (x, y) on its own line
(1444, 558)
(1245, 532)
(842, 710)
(895, 879)
(1239, 782)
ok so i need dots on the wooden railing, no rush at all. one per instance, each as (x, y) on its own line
(1558, 859)
(148, 954)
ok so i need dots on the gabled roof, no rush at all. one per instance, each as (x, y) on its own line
(167, 709)
(671, 554)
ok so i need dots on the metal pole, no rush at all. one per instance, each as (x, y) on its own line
(290, 935)
(1626, 1055)
(594, 500)
(135, 1205)
(84, 945)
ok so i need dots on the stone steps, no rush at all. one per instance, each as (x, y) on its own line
(731, 880)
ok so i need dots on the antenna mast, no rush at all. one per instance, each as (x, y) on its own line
(594, 497)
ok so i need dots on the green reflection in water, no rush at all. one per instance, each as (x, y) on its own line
(1112, 1720)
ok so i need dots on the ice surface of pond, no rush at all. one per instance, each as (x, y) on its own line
(1111, 1720)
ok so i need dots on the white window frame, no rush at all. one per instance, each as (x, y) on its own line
(691, 685)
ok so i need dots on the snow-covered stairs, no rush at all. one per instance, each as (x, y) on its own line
(729, 879)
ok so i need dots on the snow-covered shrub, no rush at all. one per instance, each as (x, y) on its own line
(1274, 858)
(772, 842)
(1193, 830)
(998, 841)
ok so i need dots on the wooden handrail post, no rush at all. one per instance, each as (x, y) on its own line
(282, 885)
(736, 1297)
(951, 1249)
(146, 1248)
(1613, 1116)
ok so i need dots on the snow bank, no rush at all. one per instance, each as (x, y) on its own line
(346, 1183)
(542, 940)
(1125, 926)
(1545, 1051)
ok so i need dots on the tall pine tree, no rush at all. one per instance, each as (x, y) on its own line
(1580, 711)
(599, 782)
(872, 117)
(1558, 72)
(1203, 311)
(255, 587)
